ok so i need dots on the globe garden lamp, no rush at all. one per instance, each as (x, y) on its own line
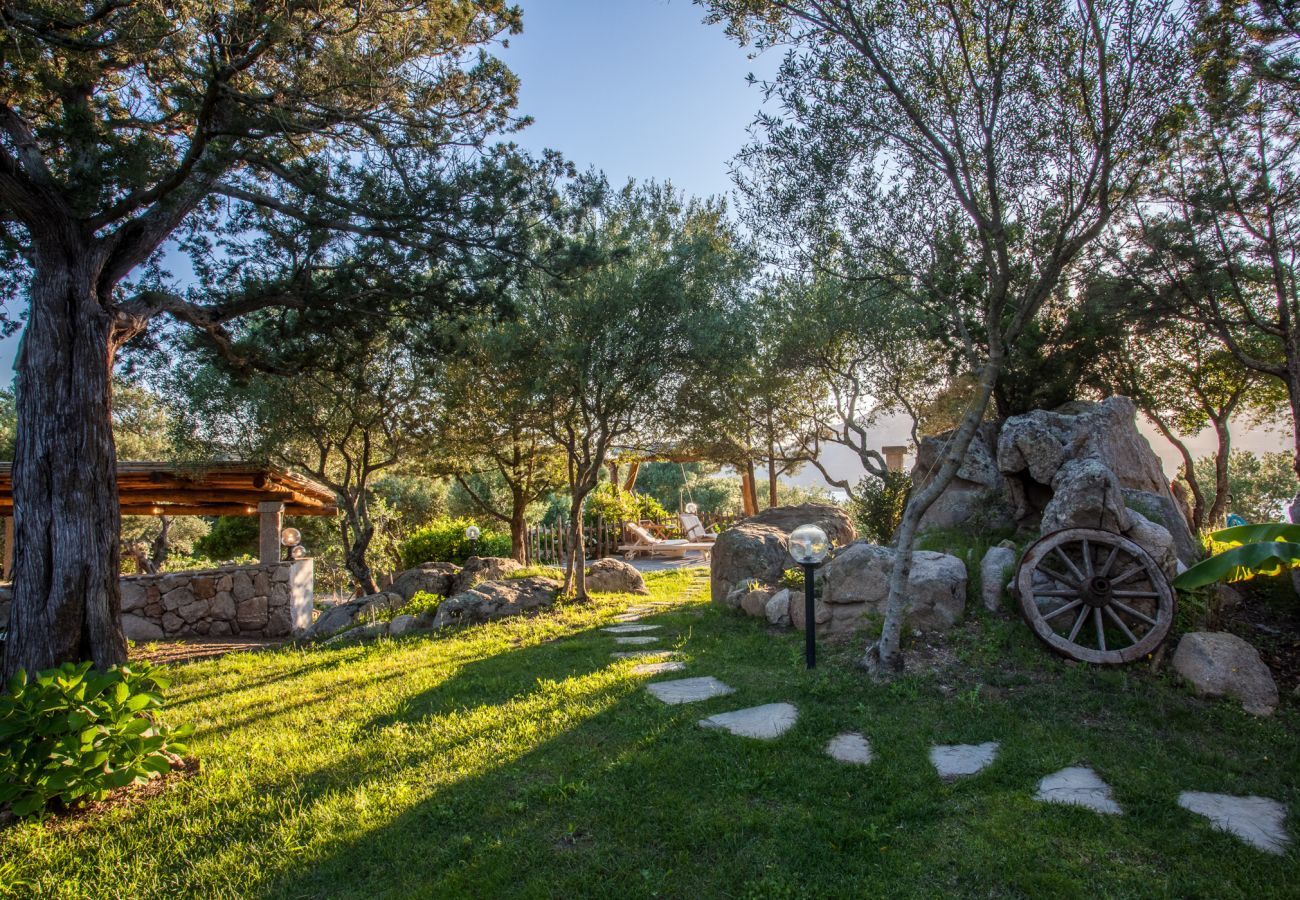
(291, 540)
(692, 509)
(808, 547)
(472, 535)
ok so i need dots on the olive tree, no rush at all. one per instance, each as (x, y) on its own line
(965, 152)
(124, 124)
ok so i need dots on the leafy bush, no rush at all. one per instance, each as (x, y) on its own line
(443, 540)
(421, 601)
(878, 506)
(621, 506)
(229, 537)
(72, 734)
(1242, 552)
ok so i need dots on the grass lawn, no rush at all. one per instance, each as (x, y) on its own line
(519, 759)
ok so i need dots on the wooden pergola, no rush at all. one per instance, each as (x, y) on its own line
(202, 489)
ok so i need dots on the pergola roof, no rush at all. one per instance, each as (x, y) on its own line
(203, 489)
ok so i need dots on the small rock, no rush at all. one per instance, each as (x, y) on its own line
(850, 747)
(1218, 664)
(1256, 820)
(613, 576)
(401, 624)
(1078, 786)
(997, 564)
(778, 608)
(762, 722)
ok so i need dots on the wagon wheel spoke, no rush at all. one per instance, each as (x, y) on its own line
(1133, 612)
(1110, 561)
(1136, 570)
(1101, 630)
(1150, 595)
(1122, 627)
(1069, 563)
(1078, 623)
(1052, 573)
(1064, 609)
(1066, 593)
(1087, 559)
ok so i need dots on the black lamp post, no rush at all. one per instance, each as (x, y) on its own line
(809, 546)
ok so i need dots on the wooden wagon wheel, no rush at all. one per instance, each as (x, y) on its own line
(1094, 596)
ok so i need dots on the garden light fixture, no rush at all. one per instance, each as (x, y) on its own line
(472, 534)
(290, 537)
(808, 547)
(297, 551)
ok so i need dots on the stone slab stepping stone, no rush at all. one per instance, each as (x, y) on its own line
(630, 629)
(849, 747)
(638, 654)
(689, 690)
(658, 668)
(635, 640)
(1256, 820)
(771, 720)
(628, 617)
(1078, 786)
(953, 761)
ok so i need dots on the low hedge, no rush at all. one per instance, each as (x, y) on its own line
(443, 540)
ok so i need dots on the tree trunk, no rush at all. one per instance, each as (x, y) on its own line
(519, 533)
(576, 573)
(749, 496)
(66, 605)
(886, 655)
(1219, 510)
(354, 556)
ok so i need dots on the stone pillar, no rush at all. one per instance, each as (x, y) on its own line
(894, 458)
(302, 584)
(271, 516)
(8, 571)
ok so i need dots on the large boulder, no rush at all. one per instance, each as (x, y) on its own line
(1085, 494)
(481, 568)
(748, 551)
(978, 492)
(430, 578)
(613, 576)
(497, 600)
(359, 611)
(1155, 540)
(1218, 664)
(855, 584)
(831, 519)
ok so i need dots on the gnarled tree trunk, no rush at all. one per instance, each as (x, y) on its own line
(66, 605)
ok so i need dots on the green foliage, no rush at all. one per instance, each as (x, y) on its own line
(443, 540)
(73, 734)
(1259, 485)
(537, 572)
(420, 499)
(613, 505)
(877, 506)
(420, 602)
(1243, 552)
(228, 538)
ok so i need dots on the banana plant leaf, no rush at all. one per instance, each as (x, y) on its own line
(1253, 534)
(1263, 557)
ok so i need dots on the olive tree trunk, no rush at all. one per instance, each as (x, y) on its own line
(66, 604)
(886, 655)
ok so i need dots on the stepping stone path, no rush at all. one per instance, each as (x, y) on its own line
(635, 640)
(762, 722)
(628, 617)
(849, 747)
(1078, 786)
(638, 654)
(630, 629)
(658, 668)
(689, 690)
(1256, 820)
(955, 761)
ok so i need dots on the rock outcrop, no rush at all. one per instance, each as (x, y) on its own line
(481, 568)
(1218, 664)
(429, 578)
(491, 600)
(757, 549)
(361, 611)
(855, 584)
(1082, 465)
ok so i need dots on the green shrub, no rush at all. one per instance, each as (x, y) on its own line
(443, 540)
(421, 601)
(621, 506)
(878, 506)
(73, 734)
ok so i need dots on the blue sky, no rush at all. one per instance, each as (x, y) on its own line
(636, 88)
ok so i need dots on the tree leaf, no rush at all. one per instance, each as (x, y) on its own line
(1240, 563)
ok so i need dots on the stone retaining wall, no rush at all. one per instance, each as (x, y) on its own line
(272, 600)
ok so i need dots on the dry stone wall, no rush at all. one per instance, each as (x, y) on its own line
(267, 601)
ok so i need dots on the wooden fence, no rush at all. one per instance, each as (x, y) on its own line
(549, 544)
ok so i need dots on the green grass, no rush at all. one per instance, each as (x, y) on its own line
(518, 759)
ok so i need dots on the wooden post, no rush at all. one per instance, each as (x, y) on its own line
(270, 520)
(8, 572)
(894, 458)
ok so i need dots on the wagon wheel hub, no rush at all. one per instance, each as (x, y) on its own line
(1094, 596)
(1097, 592)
